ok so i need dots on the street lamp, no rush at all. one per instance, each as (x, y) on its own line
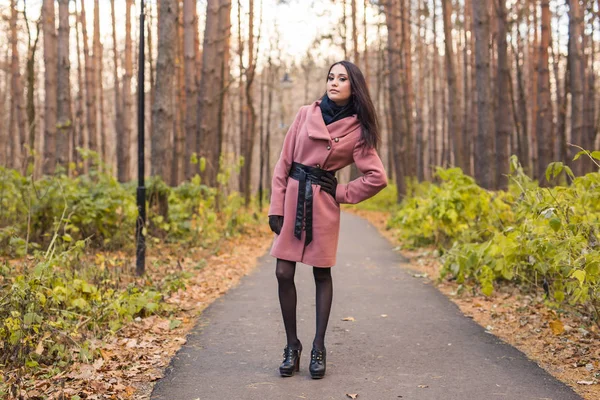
(140, 261)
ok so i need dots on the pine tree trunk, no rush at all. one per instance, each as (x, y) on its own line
(123, 158)
(484, 171)
(533, 65)
(163, 106)
(18, 125)
(80, 136)
(545, 117)
(434, 134)
(576, 81)
(178, 171)
(50, 90)
(64, 114)
(250, 131)
(392, 11)
(409, 96)
(503, 114)
(90, 86)
(460, 158)
(215, 76)
(353, 16)
(127, 105)
(190, 37)
(524, 153)
(98, 60)
(365, 46)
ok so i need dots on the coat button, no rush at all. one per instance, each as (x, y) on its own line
(337, 139)
(328, 147)
(318, 165)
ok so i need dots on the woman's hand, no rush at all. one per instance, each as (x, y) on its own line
(329, 185)
(276, 222)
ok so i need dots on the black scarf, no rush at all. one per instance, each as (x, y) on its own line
(332, 112)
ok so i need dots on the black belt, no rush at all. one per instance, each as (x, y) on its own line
(306, 176)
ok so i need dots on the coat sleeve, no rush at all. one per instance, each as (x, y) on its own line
(282, 168)
(372, 181)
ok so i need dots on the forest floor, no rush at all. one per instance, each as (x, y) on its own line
(136, 356)
(562, 342)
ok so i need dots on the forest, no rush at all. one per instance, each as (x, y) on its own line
(488, 113)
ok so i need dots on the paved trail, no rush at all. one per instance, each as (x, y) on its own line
(424, 349)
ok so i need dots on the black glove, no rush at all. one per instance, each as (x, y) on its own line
(329, 185)
(276, 222)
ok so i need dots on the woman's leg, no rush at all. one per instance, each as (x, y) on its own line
(324, 286)
(285, 271)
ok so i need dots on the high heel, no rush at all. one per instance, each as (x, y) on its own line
(291, 361)
(318, 365)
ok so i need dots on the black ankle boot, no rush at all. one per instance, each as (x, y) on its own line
(317, 363)
(291, 361)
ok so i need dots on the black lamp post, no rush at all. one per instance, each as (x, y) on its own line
(140, 261)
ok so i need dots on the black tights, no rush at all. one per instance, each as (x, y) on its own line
(285, 272)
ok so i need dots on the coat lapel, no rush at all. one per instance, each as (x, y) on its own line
(318, 130)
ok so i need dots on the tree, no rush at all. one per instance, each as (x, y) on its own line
(503, 114)
(123, 158)
(128, 117)
(163, 105)
(65, 116)
(50, 90)
(190, 35)
(392, 12)
(484, 145)
(460, 156)
(90, 86)
(215, 77)
(576, 78)
(544, 125)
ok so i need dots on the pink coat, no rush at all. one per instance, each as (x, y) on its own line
(310, 142)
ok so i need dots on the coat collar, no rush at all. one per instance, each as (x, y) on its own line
(318, 130)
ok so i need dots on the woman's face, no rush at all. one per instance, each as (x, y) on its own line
(338, 85)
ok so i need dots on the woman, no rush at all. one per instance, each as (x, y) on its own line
(325, 136)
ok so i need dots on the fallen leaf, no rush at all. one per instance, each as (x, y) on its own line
(423, 386)
(352, 395)
(348, 319)
(557, 327)
(384, 315)
(586, 382)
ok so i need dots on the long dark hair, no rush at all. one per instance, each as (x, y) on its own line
(362, 103)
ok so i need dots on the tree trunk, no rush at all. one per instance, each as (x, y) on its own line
(50, 90)
(392, 11)
(589, 131)
(215, 77)
(18, 125)
(523, 139)
(98, 60)
(64, 114)
(435, 151)
(365, 47)
(250, 131)
(545, 117)
(90, 86)
(533, 64)
(123, 158)
(178, 171)
(127, 106)
(31, 79)
(484, 171)
(353, 16)
(409, 96)
(576, 81)
(503, 114)
(80, 137)
(190, 35)
(460, 156)
(163, 106)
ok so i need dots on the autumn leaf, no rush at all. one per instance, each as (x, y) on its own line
(352, 395)
(348, 319)
(557, 327)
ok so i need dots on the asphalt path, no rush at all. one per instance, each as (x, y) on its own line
(405, 340)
